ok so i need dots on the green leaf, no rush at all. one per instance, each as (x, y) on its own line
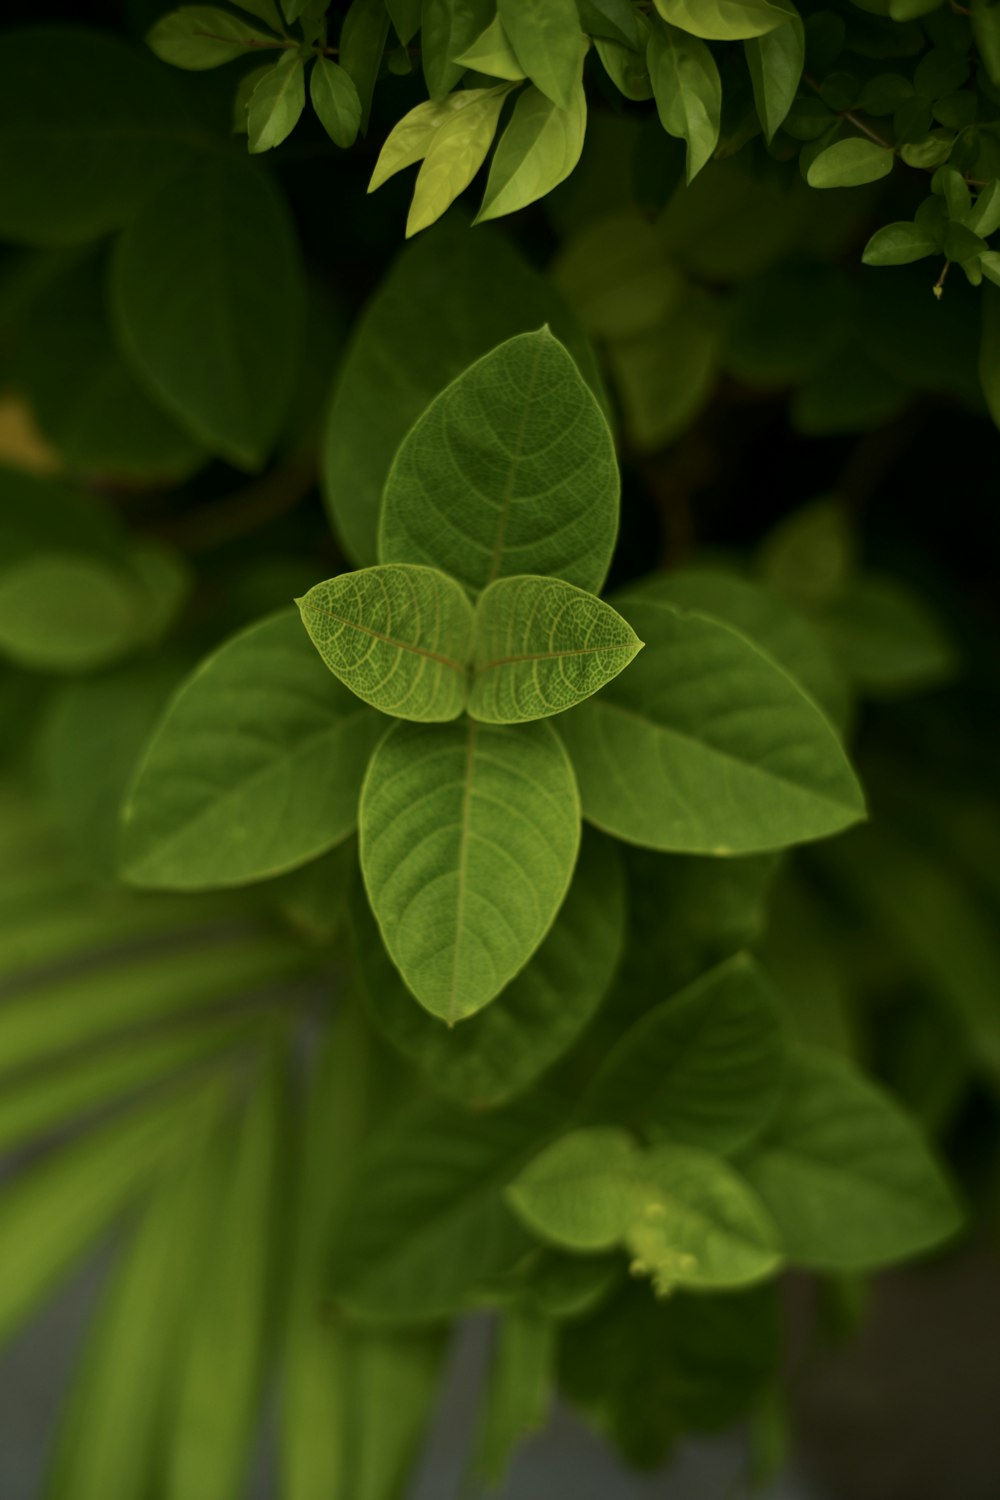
(520, 1389)
(537, 151)
(984, 216)
(613, 20)
(701, 1226)
(64, 612)
(889, 641)
(583, 1192)
(667, 374)
(397, 636)
(335, 100)
(627, 68)
(255, 767)
(424, 1229)
(986, 34)
(492, 54)
(850, 163)
(688, 92)
(546, 38)
(776, 61)
(87, 126)
(217, 343)
(535, 491)
(496, 1054)
(203, 36)
(440, 806)
(454, 156)
(450, 298)
(267, 11)
(362, 43)
(704, 1068)
(447, 27)
(405, 17)
(277, 103)
(542, 645)
(411, 138)
(707, 746)
(244, 93)
(725, 20)
(219, 1380)
(898, 244)
(846, 1175)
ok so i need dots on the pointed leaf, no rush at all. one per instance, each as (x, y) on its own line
(492, 53)
(255, 768)
(614, 20)
(725, 20)
(335, 100)
(706, 746)
(776, 60)
(204, 36)
(542, 645)
(546, 38)
(447, 27)
(537, 151)
(362, 43)
(898, 245)
(276, 103)
(412, 137)
(469, 835)
(688, 92)
(454, 156)
(850, 163)
(398, 636)
(534, 491)
(583, 1192)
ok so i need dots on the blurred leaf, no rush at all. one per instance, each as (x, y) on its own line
(203, 36)
(519, 1390)
(888, 640)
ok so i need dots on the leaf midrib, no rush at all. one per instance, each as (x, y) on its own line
(388, 640)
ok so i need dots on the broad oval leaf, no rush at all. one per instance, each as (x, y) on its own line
(846, 1175)
(725, 20)
(533, 489)
(206, 294)
(399, 637)
(496, 1054)
(276, 103)
(204, 36)
(688, 92)
(850, 163)
(702, 1225)
(899, 244)
(537, 151)
(546, 39)
(583, 1192)
(542, 645)
(706, 746)
(256, 766)
(704, 1068)
(469, 835)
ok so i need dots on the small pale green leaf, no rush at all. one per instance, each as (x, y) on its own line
(543, 645)
(688, 91)
(469, 835)
(548, 43)
(776, 60)
(399, 637)
(454, 156)
(255, 768)
(410, 138)
(846, 1174)
(583, 1192)
(725, 20)
(706, 746)
(704, 1068)
(244, 92)
(701, 1225)
(850, 163)
(447, 27)
(203, 36)
(335, 100)
(899, 244)
(277, 103)
(535, 491)
(537, 151)
(492, 54)
(496, 1054)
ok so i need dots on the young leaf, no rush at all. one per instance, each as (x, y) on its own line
(362, 42)
(335, 100)
(276, 103)
(534, 491)
(454, 156)
(218, 341)
(399, 637)
(537, 151)
(850, 163)
(411, 138)
(846, 1174)
(583, 1192)
(898, 245)
(776, 61)
(704, 1068)
(706, 746)
(447, 27)
(701, 1224)
(546, 38)
(496, 1054)
(255, 768)
(725, 20)
(688, 91)
(424, 1227)
(444, 810)
(204, 36)
(492, 53)
(542, 645)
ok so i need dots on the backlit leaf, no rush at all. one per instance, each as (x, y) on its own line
(546, 39)
(454, 156)
(688, 92)
(538, 150)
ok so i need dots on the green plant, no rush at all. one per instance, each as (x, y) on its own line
(392, 926)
